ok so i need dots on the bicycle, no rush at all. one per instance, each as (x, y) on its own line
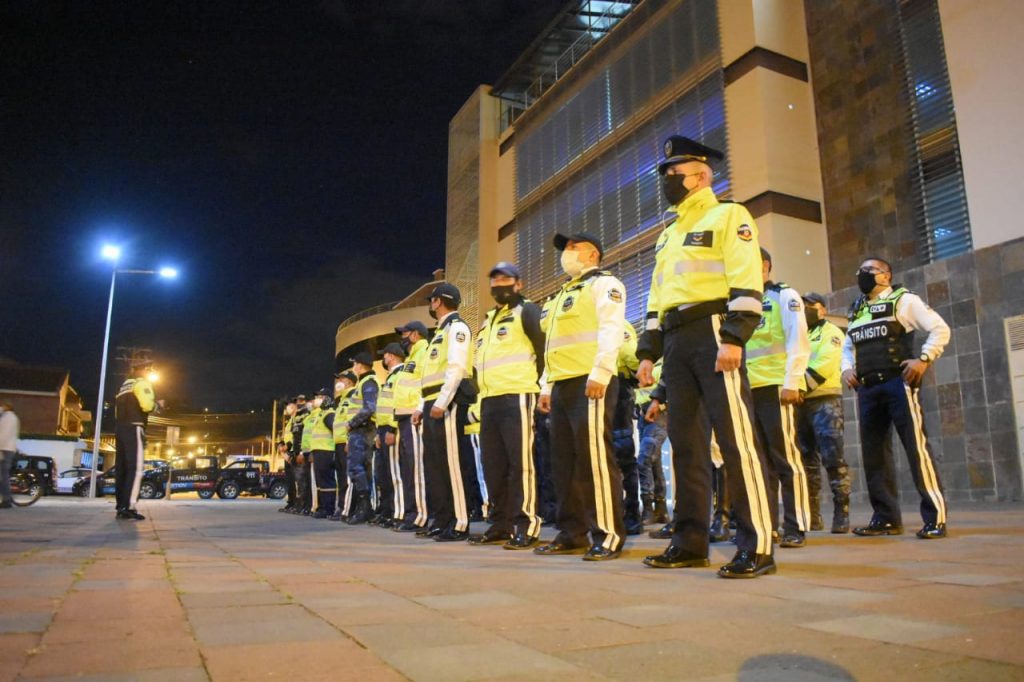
(25, 489)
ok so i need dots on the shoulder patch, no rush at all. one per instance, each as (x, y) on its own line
(615, 295)
(460, 337)
(794, 305)
(745, 233)
(836, 341)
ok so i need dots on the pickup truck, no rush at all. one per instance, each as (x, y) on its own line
(251, 477)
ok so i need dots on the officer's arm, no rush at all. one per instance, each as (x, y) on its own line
(742, 256)
(794, 328)
(369, 408)
(913, 313)
(849, 359)
(627, 354)
(531, 326)
(143, 391)
(649, 345)
(458, 358)
(660, 393)
(329, 419)
(610, 301)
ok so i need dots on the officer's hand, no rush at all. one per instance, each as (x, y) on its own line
(544, 403)
(913, 370)
(436, 412)
(376, 442)
(645, 373)
(791, 396)
(595, 391)
(850, 377)
(161, 403)
(652, 411)
(389, 439)
(730, 357)
(417, 417)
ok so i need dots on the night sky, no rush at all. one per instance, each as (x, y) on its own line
(289, 158)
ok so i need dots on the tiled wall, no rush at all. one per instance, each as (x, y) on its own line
(966, 397)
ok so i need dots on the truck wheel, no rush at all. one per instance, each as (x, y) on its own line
(147, 491)
(277, 490)
(205, 494)
(228, 490)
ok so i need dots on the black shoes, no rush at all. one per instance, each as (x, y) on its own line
(407, 527)
(663, 533)
(521, 541)
(130, 514)
(792, 539)
(674, 557)
(719, 530)
(428, 533)
(599, 553)
(660, 510)
(490, 537)
(452, 535)
(6, 504)
(634, 526)
(877, 528)
(320, 513)
(932, 531)
(747, 564)
(555, 547)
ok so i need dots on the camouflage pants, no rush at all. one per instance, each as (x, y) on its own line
(820, 439)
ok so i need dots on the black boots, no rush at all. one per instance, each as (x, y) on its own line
(719, 531)
(361, 510)
(648, 502)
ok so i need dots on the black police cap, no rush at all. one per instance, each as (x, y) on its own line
(679, 149)
(414, 326)
(325, 391)
(765, 256)
(562, 240)
(349, 375)
(505, 268)
(301, 396)
(394, 349)
(449, 292)
(363, 358)
(814, 297)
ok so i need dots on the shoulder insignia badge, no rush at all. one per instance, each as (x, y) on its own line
(745, 233)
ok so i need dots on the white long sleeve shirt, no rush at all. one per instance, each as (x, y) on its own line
(798, 346)
(460, 342)
(914, 314)
(9, 428)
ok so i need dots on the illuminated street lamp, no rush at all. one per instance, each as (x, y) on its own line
(112, 253)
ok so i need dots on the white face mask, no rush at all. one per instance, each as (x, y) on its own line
(317, 402)
(571, 263)
(290, 409)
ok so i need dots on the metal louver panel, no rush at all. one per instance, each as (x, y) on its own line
(940, 202)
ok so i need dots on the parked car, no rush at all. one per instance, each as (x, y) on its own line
(108, 478)
(42, 468)
(69, 481)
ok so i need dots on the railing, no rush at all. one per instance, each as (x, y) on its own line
(367, 312)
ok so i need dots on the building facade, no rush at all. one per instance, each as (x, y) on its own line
(850, 129)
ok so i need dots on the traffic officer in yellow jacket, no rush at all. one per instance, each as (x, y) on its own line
(819, 418)
(580, 388)
(410, 436)
(361, 433)
(777, 357)
(447, 392)
(879, 363)
(344, 386)
(704, 303)
(288, 440)
(386, 474)
(134, 402)
(509, 360)
(321, 445)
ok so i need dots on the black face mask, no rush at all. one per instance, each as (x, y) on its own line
(433, 313)
(812, 316)
(504, 294)
(674, 188)
(866, 281)
(406, 345)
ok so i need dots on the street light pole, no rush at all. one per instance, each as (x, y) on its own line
(99, 402)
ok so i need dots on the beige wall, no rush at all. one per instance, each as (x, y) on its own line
(776, 25)
(379, 325)
(982, 40)
(799, 252)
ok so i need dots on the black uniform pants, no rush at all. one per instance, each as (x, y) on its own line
(410, 469)
(625, 449)
(776, 426)
(467, 460)
(588, 483)
(326, 481)
(542, 450)
(442, 462)
(130, 447)
(506, 451)
(384, 476)
(341, 474)
(289, 480)
(304, 477)
(691, 381)
(894, 403)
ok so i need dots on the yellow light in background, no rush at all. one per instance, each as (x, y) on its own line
(153, 377)
(191, 439)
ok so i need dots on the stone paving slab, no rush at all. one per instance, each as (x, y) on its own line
(235, 591)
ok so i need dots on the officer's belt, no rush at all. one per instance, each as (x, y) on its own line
(879, 377)
(687, 313)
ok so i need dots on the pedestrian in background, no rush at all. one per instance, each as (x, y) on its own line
(9, 427)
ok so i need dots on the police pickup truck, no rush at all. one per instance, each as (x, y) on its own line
(249, 476)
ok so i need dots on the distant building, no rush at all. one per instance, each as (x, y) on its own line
(44, 400)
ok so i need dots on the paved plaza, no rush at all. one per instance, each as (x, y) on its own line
(236, 591)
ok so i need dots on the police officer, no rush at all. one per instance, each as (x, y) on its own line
(304, 461)
(134, 402)
(648, 461)
(509, 360)
(580, 388)
(361, 433)
(624, 429)
(879, 363)
(386, 474)
(321, 446)
(704, 304)
(820, 417)
(447, 392)
(410, 436)
(777, 357)
(344, 386)
(288, 440)
(297, 458)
